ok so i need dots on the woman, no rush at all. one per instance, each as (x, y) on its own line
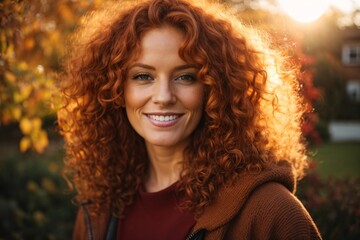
(180, 124)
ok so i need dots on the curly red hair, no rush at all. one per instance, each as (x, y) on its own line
(252, 111)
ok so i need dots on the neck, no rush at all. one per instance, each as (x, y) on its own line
(165, 167)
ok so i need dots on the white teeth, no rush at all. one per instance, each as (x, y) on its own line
(163, 118)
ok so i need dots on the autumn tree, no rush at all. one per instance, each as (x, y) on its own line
(32, 40)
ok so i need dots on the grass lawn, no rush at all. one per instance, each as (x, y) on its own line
(339, 160)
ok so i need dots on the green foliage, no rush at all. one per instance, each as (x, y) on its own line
(330, 79)
(334, 204)
(331, 190)
(322, 128)
(334, 104)
(33, 203)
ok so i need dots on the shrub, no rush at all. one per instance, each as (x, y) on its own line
(33, 204)
(334, 205)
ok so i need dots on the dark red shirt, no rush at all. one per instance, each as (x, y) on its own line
(156, 216)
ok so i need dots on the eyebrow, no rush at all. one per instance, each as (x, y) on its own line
(142, 66)
(177, 68)
(185, 66)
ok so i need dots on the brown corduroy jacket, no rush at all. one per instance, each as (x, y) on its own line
(258, 206)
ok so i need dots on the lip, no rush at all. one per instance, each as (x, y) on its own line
(161, 119)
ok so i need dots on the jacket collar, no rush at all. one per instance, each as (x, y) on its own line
(231, 199)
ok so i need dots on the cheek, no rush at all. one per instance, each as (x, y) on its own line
(194, 100)
(132, 97)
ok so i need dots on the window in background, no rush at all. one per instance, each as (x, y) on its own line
(353, 90)
(351, 54)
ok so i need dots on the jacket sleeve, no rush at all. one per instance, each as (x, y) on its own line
(272, 212)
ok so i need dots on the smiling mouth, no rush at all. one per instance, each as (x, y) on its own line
(164, 118)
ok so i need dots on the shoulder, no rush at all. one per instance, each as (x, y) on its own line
(272, 211)
(275, 199)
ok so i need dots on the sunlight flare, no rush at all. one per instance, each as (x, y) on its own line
(304, 11)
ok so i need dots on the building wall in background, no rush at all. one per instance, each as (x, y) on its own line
(351, 62)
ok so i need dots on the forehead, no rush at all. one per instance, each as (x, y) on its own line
(164, 40)
(161, 37)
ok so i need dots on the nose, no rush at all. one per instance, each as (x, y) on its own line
(163, 93)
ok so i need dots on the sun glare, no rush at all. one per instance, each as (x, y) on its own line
(304, 10)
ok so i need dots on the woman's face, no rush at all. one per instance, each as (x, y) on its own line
(163, 97)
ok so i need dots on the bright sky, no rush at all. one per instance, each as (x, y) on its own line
(310, 10)
(346, 5)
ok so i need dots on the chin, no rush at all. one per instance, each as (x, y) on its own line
(166, 142)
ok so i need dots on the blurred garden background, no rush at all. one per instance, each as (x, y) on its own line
(34, 201)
